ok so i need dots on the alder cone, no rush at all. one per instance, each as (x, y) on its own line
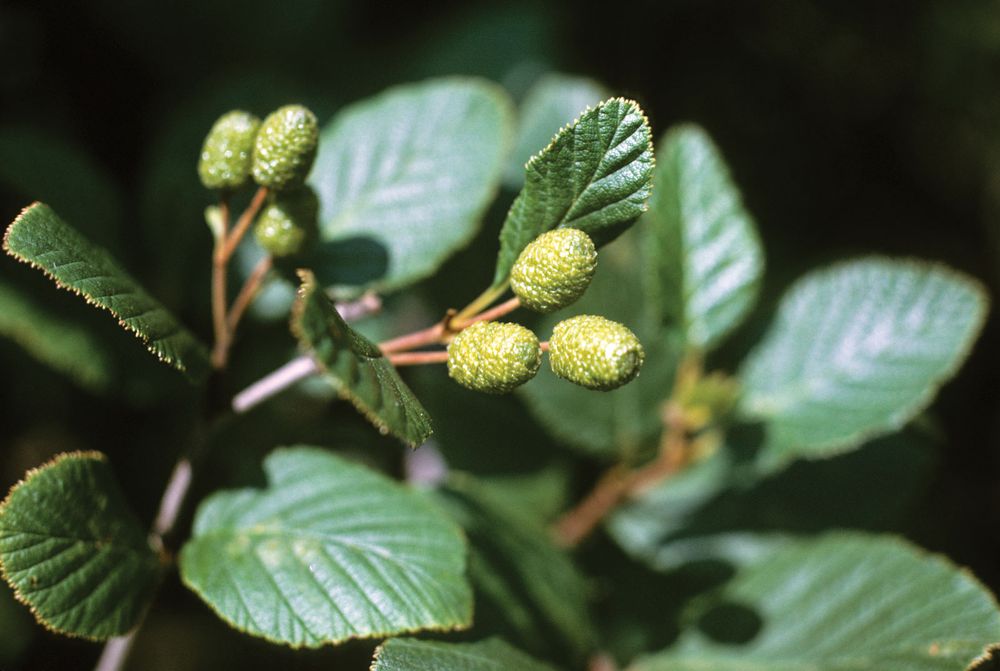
(494, 357)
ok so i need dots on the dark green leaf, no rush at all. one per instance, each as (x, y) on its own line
(407, 654)
(41, 239)
(404, 179)
(595, 175)
(704, 256)
(73, 551)
(328, 552)
(552, 102)
(526, 588)
(856, 351)
(355, 366)
(842, 602)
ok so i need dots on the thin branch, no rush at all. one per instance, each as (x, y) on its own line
(274, 383)
(115, 652)
(483, 301)
(368, 304)
(219, 288)
(428, 336)
(243, 223)
(496, 312)
(247, 293)
(418, 358)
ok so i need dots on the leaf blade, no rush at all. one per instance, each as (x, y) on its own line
(595, 175)
(493, 654)
(330, 551)
(704, 254)
(39, 238)
(83, 565)
(356, 367)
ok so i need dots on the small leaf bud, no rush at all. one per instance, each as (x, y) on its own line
(595, 352)
(285, 148)
(494, 357)
(554, 270)
(226, 153)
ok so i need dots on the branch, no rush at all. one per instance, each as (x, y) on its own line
(417, 358)
(240, 229)
(274, 383)
(247, 293)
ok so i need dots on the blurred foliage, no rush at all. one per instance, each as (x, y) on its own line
(850, 127)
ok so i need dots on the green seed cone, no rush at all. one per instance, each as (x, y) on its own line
(285, 148)
(554, 270)
(288, 223)
(595, 352)
(226, 154)
(494, 358)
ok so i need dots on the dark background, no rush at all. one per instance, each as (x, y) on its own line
(852, 127)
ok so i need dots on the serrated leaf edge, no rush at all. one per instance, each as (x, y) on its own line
(834, 448)
(142, 337)
(28, 476)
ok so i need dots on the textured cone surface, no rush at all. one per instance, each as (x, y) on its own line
(227, 151)
(595, 352)
(494, 358)
(285, 225)
(285, 148)
(554, 270)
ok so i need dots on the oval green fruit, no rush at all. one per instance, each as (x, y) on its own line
(554, 270)
(493, 357)
(285, 148)
(226, 154)
(595, 352)
(287, 224)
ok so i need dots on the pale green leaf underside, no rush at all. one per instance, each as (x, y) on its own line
(72, 550)
(328, 552)
(841, 602)
(552, 102)
(517, 572)
(595, 175)
(493, 654)
(856, 350)
(405, 177)
(356, 367)
(41, 239)
(56, 342)
(705, 257)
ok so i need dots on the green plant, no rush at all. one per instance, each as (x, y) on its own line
(728, 488)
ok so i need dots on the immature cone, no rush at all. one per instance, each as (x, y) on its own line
(595, 352)
(285, 148)
(554, 270)
(494, 358)
(226, 154)
(286, 225)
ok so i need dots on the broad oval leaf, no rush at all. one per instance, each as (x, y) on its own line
(39, 238)
(330, 551)
(552, 102)
(356, 367)
(404, 179)
(493, 654)
(73, 551)
(595, 175)
(704, 255)
(856, 350)
(526, 588)
(837, 603)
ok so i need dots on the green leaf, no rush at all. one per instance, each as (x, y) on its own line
(55, 341)
(626, 422)
(41, 239)
(595, 175)
(356, 367)
(330, 551)
(838, 603)
(526, 588)
(73, 551)
(704, 254)
(407, 654)
(857, 350)
(712, 505)
(404, 179)
(554, 101)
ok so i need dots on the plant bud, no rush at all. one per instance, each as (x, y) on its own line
(226, 153)
(595, 352)
(494, 358)
(288, 223)
(285, 148)
(554, 270)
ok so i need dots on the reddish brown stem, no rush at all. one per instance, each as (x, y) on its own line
(243, 223)
(428, 336)
(496, 312)
(247, 293)
(219, 288)
(418, 358)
